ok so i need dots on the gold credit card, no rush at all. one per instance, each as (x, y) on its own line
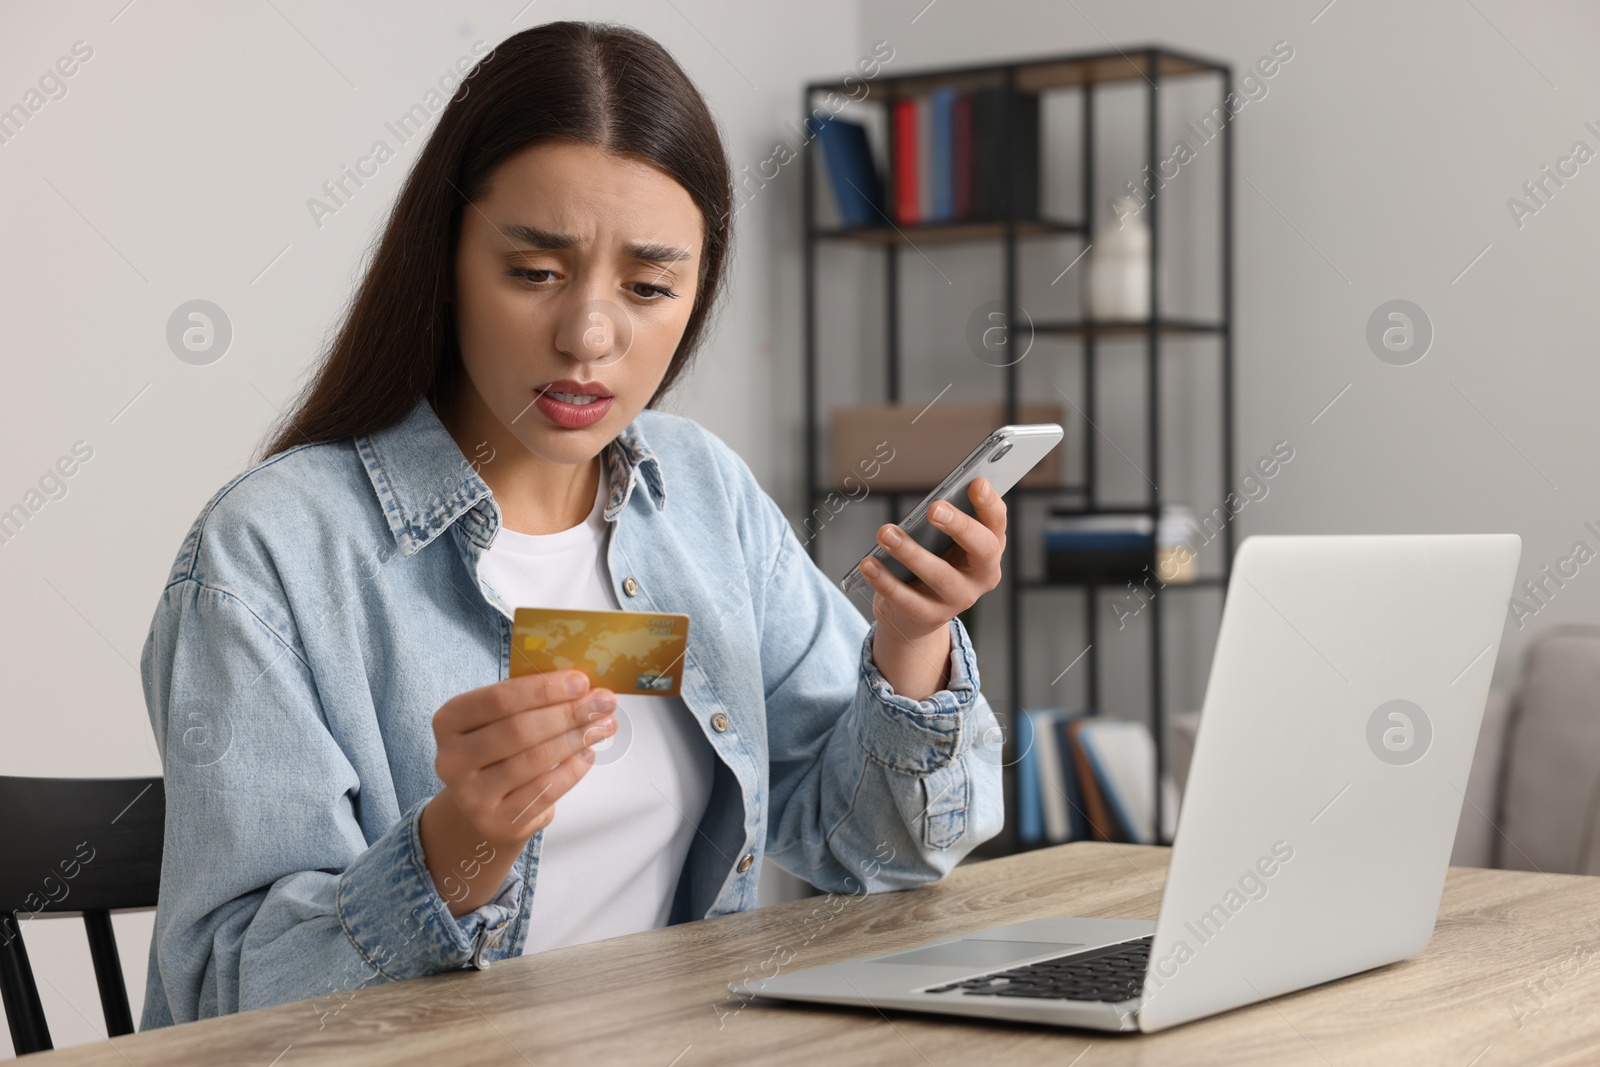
(632, 653)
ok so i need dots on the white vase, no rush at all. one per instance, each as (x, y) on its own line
(1118, 279)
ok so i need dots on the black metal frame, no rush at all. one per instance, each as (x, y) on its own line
(1152, 330)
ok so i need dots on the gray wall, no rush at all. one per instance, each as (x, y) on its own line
(1377, 166)
(178, 164)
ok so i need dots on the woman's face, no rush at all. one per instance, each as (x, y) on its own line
(575, 277)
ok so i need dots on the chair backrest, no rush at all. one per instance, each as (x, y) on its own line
(74, 845)
(1552, 763)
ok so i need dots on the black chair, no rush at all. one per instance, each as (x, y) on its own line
(71, 846)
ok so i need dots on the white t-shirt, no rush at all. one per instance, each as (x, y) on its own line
(610, 859)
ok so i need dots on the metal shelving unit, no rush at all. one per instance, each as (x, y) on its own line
(1080, 73)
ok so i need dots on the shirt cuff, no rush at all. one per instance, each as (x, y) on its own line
(919, 736)
(394, 916)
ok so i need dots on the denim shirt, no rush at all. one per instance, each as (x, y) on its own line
(327, 602)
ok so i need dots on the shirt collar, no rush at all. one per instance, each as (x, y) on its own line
(425, 483)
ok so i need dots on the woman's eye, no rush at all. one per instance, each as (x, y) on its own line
(651, 292)
(646, 291)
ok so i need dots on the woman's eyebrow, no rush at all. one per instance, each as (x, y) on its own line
(650, 252)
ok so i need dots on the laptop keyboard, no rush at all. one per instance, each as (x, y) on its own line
(1114, 974)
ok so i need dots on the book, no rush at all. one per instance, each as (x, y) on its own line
(941, 153)
(1049, 799)
(1102, 826)
(1077, 818)
(995, 154)
(1122, 759)
(1107, 548)
(924, 159)
(1052, 784)
(857, 189)
(903, 131)
(1030, 803)
(961, 156)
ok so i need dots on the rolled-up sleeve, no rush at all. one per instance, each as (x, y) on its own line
(937, 740)
(270, 891)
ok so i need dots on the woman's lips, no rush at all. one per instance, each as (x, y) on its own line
(572, 416)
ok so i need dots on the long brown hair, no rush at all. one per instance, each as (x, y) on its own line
(596, 83)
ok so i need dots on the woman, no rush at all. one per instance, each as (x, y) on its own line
(356, 790)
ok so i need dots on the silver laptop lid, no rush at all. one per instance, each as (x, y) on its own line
(1339, 723)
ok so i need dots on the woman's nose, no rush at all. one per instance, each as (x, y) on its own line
(597, 331)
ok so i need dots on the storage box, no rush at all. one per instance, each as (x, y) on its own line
(914, 456)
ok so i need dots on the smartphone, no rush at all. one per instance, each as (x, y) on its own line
(1003, 458)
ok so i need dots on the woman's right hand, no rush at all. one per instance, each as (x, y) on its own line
(506, 753)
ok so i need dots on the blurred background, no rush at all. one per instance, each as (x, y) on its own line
(1395, 152)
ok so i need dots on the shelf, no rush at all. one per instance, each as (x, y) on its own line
(1034, 75)
(946, 232)
(1136, 76)
(1205, 581)
(1127, 65)
(1132, 329)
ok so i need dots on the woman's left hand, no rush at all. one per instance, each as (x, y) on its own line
(910, 614)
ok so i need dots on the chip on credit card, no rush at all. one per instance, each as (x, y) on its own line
(632, 653)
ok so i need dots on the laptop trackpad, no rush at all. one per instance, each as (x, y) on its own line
(968, 953)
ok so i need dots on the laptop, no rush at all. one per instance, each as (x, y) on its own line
(1340, 717)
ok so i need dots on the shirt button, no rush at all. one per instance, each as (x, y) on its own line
(719, 723)
(744, 864)
(630, 586)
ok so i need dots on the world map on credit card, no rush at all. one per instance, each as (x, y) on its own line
(629, 652)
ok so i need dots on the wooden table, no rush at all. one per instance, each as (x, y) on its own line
(1512, 976)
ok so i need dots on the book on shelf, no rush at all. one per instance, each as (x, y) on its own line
(1102, 826)
(857, 189)
(989, 155)
(1077, 790)
(903, 128)
(1051, 778)
(1030, 803)
(961, 153)
(926, 163)
(1079, 548)
(1122, 759)
(1121, 547)
(1083, 777)
(941, 150)
(1050, 797)
(949, 157)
